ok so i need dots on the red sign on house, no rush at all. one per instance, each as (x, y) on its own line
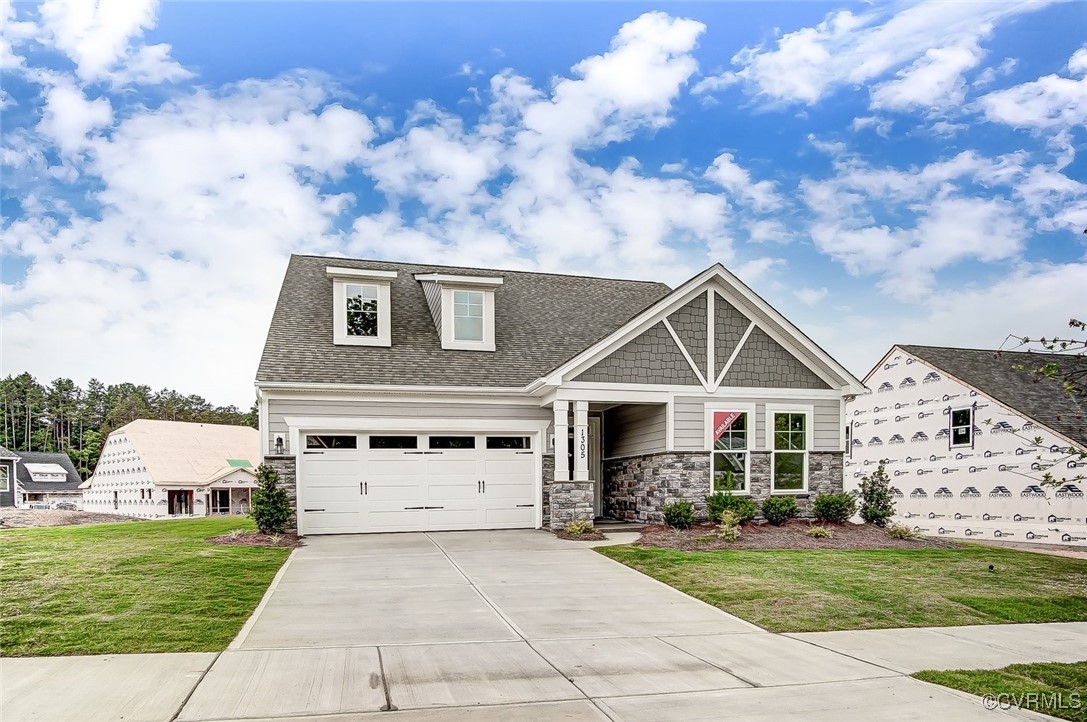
(723, 421)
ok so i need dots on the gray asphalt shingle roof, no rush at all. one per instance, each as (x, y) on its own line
(541, 321)
(1041, 399)
(6, 453)
(46, 457)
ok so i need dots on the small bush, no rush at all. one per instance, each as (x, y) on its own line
(235, 533)
(578, 527)
(679, 514)
(729, 528)
(834, 508)
(901, 531)
(271, 505)
(819, 532)
(716, 505)
(779, 509)
(877, 505)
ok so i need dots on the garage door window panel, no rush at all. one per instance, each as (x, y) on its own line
(452, 442)
(508, 442)
(331, 441)
(394, 442)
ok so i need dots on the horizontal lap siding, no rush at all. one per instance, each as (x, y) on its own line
(280, 408)
(635, 429)
(690, 422)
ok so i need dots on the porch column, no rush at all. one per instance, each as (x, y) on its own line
(581, 441)
(562, 432)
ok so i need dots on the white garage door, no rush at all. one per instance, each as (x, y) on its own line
(350, 483)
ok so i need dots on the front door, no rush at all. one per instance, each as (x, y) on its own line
(596, 465)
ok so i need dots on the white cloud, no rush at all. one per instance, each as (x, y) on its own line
(811, 296)
(989, 75)
(766, 230)
(933, 81)
(99, 37)
(173, 273)
(728, 174)
(881, 126)
(69, 116)
(1051, 102)
(848, 49)
(907, 225)
(673, 168)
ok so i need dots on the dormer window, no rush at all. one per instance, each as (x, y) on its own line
(462, 308)
(468, 316)
(361, 309)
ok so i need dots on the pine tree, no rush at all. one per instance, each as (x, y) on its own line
(877, 505)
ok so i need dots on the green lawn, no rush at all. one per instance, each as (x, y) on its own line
(815, 591)
(1018, 681)
(153, 586)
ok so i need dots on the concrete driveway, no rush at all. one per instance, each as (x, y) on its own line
(521, 625)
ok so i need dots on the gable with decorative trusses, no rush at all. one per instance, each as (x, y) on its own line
(711, 332)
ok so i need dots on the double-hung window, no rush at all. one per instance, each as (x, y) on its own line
(962, 427)
(4, 482)
(789, 439)
(730, 434)
(468, 316)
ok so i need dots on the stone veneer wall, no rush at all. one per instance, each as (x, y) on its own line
(285, 465)
(570, 501)
(636, 487)
(548, 464)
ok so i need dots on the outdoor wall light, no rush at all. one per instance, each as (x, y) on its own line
(279, 445)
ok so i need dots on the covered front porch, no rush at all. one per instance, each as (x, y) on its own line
(620, 463)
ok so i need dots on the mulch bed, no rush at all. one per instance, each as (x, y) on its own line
(256, 539)
(790, 535)
(594, 535)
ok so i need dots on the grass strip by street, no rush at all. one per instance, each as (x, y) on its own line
(828, 590)
(153, 586)
(1059, 690)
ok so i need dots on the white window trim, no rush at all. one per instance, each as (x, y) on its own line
(448, 324)
(340, 336)
(748, 409)
(951, 428)
(809, 433)
(5, 478)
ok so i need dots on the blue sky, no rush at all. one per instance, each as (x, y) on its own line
(898, 172)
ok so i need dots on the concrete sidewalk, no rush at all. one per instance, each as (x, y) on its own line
(510, 626)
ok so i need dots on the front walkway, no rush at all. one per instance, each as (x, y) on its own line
(519, 625)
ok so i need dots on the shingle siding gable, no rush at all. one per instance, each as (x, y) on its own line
(651, 358)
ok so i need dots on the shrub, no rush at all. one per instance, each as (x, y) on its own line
(779, 509)
(834, 508)
(877, 506)
(679, 514)
(729, 528)
(819, 532)
(716, 505)
(901, 531)
(271, 505)
(578, 527)
(743, 507)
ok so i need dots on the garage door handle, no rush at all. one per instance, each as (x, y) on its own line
(522, 506)
(313, 510)
(364, 487)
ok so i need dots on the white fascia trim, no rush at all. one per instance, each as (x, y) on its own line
(631, 395)
(363, 424)
(711, 335)
(798, 336)
(360, 273)
(659, 310)
(447, 279)
(602, 392)
(389, 389)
